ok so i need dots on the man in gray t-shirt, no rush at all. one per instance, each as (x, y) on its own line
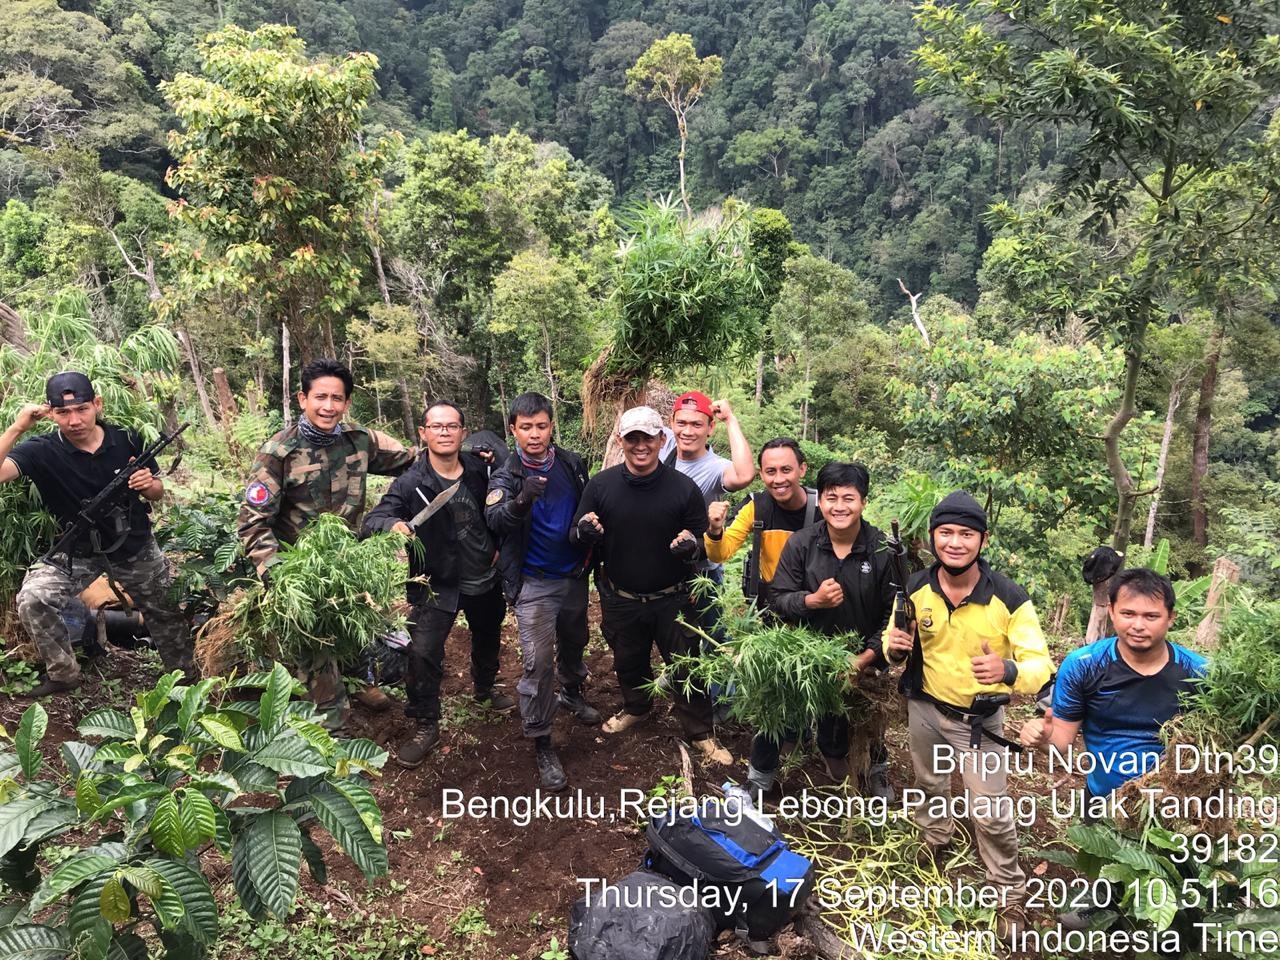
(693, 419)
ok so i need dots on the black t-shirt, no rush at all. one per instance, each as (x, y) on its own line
(476, 571)
(641, 516)
(66, 476)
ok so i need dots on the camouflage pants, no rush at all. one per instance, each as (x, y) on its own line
(46, 590)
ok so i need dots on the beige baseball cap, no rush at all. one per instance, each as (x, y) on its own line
(641, 419)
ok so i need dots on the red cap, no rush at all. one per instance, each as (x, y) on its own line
(698, 401)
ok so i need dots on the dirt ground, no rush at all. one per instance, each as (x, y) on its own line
(524, 878)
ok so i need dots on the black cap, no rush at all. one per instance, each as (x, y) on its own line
(60, 384)
(961, 509)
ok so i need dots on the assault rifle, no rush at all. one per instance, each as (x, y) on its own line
(108, 505)
(904, 611)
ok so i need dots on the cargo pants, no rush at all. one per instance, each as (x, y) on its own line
(46, 590)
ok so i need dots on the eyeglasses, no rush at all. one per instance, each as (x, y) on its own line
(444, 427)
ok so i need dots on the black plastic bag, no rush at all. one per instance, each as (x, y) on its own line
(610, 928)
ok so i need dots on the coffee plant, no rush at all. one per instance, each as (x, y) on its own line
(187, 776)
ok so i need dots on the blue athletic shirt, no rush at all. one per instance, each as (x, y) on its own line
(1121, 711)
(550, 554)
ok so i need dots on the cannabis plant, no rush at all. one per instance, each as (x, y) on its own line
(185, 773)
(783, 676)
(331, 595)
(200, 535)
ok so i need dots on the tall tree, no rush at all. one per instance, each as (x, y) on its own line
(273, 179)
(671, 71)
(1170, 93)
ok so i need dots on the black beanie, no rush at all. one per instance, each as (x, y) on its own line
(961, 509)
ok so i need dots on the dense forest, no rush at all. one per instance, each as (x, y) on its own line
(474, 198)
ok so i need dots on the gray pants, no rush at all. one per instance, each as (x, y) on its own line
(47, 589)
(552, 619)
(996, 836)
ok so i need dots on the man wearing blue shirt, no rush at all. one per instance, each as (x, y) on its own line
(1121, 690)
(532, 501)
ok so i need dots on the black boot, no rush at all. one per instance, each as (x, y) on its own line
(549, 770)
(571, 699)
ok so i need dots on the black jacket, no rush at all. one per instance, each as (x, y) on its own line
(865, 575)
(437, 560)
(510, 523)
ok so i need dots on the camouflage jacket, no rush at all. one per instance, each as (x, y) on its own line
(293, 482)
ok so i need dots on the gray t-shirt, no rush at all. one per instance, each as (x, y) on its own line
(708, 473)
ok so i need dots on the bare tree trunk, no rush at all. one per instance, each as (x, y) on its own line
(1225, 571)
(759, 379)
(915, 311)
(1175, 401)
(13, 330)
(406, 410)
(226, 399)
(804, 423)
(202, 394)
(1097, 626)
(284, 373)
(1200, 444)
(684, 139)
(1126, 492)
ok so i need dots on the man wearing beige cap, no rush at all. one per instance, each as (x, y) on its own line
(644, 522)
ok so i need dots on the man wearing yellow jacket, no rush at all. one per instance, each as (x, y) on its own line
(976, 638)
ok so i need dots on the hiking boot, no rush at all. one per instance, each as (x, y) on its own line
(876, 783)
(373, 698)
(416, 749)
(1011, 923)
(495, 700)
(712, 752)
(571, 699)
(837, 768)
(550, 772)
(622, 721)
(47, 687)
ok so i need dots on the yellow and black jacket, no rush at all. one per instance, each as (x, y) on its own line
(776, 527)
(947, 638)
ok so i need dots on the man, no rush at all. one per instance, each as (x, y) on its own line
(69, 466)
(835, 577)
(531, 503)
(1119, 691)
(976, 638)
(318, 465)
(456, 557)
(693, 421)
(646, 522)
(768, 518)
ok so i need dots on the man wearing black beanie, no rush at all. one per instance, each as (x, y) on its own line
(975, 640)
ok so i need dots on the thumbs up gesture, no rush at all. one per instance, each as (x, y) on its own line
(988, 668)
(1035, 733)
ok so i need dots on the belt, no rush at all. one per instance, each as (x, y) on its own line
(648, 597)
(974, 719)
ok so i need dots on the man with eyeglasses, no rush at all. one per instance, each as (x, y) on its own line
(455, 570)
(835, 576)
(645, 522)
(320, 464)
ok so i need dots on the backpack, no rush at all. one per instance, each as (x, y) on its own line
(762, 883)
(603, 927)
(763, 502)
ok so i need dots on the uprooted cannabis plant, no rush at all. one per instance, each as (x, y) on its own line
(331, 595)
(783, 676)
(188, 770)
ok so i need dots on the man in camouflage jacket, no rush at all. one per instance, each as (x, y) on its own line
(318, 465)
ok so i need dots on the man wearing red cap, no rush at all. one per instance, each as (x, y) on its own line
(693, 420)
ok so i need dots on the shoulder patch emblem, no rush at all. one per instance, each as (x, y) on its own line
(494, 496)
(926, 620)
(866, 566)
(257, 493)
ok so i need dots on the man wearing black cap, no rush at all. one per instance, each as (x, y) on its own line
(69, 466)
(976, 639)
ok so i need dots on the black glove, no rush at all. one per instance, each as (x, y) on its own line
(588, 533)
(531, 488)
(686, 548)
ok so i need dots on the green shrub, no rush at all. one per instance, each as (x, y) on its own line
(166, 784)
